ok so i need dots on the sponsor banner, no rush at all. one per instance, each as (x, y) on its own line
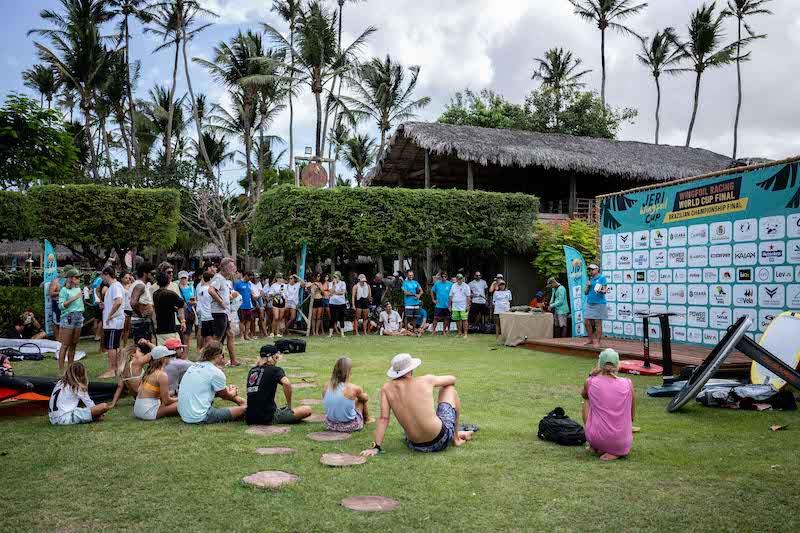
(727, 275)
(719, 317)
(719, 294)
(784, 274)
(50, 273)
(679, 334)
(676, 294)
(665, 276)
(679, 319)
(710, 275)
(680, 276)
(749, 313)
(720, 255)
(576, 280)
(720, 232)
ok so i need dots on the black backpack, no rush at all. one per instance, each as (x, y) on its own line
(559, 428)
(291, 345)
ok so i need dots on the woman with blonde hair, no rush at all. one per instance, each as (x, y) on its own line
(338, 304)
(345, 403)
(153, 400)
(73, 388)
(608, 409)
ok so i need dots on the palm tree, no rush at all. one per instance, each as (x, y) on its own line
(659, 54)
(741, 9)
(359, 155)
(43, 80)
(78, 54)
(239, 123)
(289, 10)
(114, 93)
(382, 94)
(137, 9)
(317, 60)
(605, 13)
(705, 51)
(558, 71)
(157, 110)
(68, 100)
(217, 149)
(338, 137)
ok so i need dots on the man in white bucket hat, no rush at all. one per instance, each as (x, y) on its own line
(427, 429)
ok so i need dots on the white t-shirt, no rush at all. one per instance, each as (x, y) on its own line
(255, 290)
(502, 301)
(64, 400)
(224, 290)
(390, 321)
(340, 287)
(203, 302)
(278, 289)
(478, 288)
(126, 298)
(459, 294)
(292, 295)
(117, 321)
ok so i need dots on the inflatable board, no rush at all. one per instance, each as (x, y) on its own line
(40, 389)
(638, 367)
(782, 339)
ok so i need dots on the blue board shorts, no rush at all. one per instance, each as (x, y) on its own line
(447, 414)
(73, 320)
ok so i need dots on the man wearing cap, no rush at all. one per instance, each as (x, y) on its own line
(440, 293)
(477, 311)
(460, 297)
(412, 291)
(167, 305)
(409, 398)
(360, 296)
(558, 306)
(177, 366)
(262, 383)
(595, 310)
(242, 286)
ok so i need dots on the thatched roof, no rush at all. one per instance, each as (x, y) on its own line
(551, 151)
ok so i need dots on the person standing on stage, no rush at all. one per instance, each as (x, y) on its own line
(595, 310)
(558, 306)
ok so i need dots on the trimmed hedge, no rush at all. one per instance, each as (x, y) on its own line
(96, 219)
(15, 300)
(15, 216)
(380, 220)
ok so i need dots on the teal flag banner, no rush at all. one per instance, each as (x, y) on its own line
(577, 280)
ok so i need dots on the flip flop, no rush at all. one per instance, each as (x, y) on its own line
(469, 427)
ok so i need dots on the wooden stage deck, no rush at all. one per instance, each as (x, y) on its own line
(682, 354)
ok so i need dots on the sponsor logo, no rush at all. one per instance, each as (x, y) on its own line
(720, 318)
(624, 241)
(624, 312)
(694, 335)
(677, 257)
(641, 275)
(698, 256)
(744, 274)
(771, 252)
(744, 295)
(623, 260)
(679, 276)
(772, 228)
(793, 296)
(695, 275)
(665, 276)
(617, 277)
(764, 274)
(793, 225)
(698, 294)
(710, 275)
(640, 293)
(794, 251)
(710, 336)
(609, 243)
(784, 274)
(609, 261)
(771, 295)
(629, 329)
(658, 238)
(677, 236)
(745, 230)
(617, 328)
(652, 276)
(679, 334)
(641, 239)
(624, 293)
(750, 313)
(726, 275)
(720, 231)
(641, 259)
(658, 258)
(720, 295)
(698, 317)
(698, 234)
(720, 255)
(658, 293)
(744, 254)
(764, 318)
(628, 277)
(677, 294)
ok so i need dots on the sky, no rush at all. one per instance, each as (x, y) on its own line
(492, 44)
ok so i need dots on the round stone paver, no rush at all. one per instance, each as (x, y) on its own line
(342, 459)
(269, 479)
(371, 504)
(303, 385)
(315, 418)
(301, 375)
(310, 401)
(267, 430)
(274, 451)
(328, 436)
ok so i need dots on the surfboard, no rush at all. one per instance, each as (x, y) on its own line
(782, 339)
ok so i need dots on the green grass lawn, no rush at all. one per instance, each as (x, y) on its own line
(701, 469)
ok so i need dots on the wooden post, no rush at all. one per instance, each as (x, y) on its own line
(470, 177)
(332, 178)
(427, 169)
(573, 194)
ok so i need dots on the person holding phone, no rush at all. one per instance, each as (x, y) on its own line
(595, 310)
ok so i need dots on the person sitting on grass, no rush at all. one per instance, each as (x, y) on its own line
(427, 430)
(72, 389)
(204, 381)
(135, 357)
(154, 400)
(390, 321)
(262, 383)
(608, 409)
(345, 403)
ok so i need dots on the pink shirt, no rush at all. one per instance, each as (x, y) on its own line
(609, 428)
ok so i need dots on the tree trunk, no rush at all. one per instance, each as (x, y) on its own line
(383, 141)
(89, 140)
(318, 99)
(168, 133)
(603, 67)
(234, 239)
(248, 150)
(291, 106)
(694, 109)
(260, 176)
(120, 115)
(333, 85)
(739, 84)
(658, 107)
(131, 103)
(200, 142)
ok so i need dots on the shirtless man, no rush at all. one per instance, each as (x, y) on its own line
(410, 400)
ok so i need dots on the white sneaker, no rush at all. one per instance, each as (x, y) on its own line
(381, 333)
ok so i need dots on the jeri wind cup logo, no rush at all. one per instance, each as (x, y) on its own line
(576, 268)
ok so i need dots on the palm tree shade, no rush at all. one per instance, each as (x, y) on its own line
(741, 10)
(660, 54)
(607, 14)
(43, 80)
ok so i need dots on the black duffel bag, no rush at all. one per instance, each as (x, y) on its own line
(291, 345)
(559, 428)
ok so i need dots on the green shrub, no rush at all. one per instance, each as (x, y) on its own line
(550, 239)
(15, 300)
(15, 223)
(380, 220)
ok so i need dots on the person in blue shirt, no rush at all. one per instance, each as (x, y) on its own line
(440, 293)
(411, 292)
(594, 312)
(242, 286)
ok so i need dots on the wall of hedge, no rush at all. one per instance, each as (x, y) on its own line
(15, 300)
(15, 217)
(380, 220)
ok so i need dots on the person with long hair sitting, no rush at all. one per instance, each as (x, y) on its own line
(345, 403)
(63, 407)
(153, 400)
(608, 409)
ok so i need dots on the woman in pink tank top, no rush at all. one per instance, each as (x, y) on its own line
(609, 409)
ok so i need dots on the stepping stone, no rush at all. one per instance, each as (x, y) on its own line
(301, 375)
(342, 459)
(315, 418)
(311, 401)
(370, 504)
(274, 451)
(269, 479)
(328, 436)
(303, 385)
(267, 430)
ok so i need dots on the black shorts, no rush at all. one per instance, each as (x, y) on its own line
(337, 313)
(128, 313)
(56, 311)
(278, 304)
(477, 309)
(220, 321)
(441, 312)
(141, 329)
(207, 328)
(362, 303)
(111, 338)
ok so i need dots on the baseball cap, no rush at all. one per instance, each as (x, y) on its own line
(268, 350)
(362, 277)
(608, 356)
(592, 266)
(174, 344)
(459, 276)
(550, 280)
(160, 351)
(183, 274)
(499, 276)
(71, 272)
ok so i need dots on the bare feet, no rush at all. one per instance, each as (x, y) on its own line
(369, 420)
(608, 457)
(462, 437)
(588, 343)
(107, 374)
